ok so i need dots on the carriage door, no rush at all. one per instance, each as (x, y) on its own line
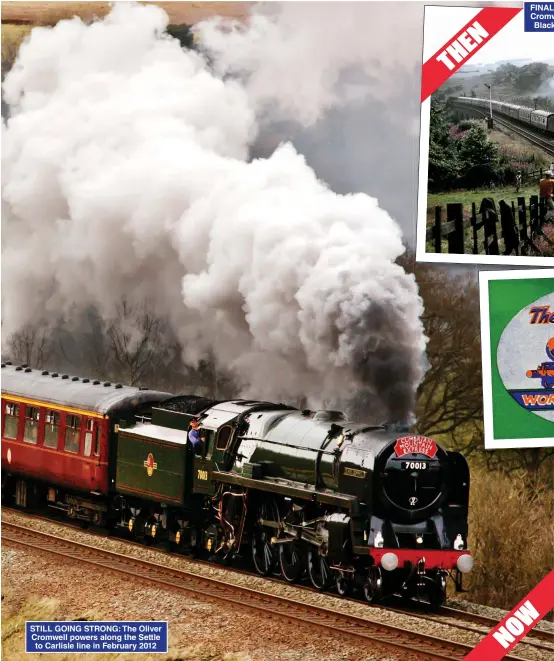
(202, 471)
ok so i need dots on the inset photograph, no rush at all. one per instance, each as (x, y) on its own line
(517, 336)
(487, 150)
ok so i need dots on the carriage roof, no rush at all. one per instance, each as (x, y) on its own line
(45, 387)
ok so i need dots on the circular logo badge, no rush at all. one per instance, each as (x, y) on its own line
(525, 357)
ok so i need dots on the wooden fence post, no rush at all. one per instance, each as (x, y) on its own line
(438, 223)
(474, 228)
(490, 218)
(509, 230)
(534, 215)
(516, 227)
(455, 213)
(522, 221)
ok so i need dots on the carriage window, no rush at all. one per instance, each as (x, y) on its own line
(51, 429)
(11, 420)
(72, 433)
(223, 437)
(90, 436)
(30, 433)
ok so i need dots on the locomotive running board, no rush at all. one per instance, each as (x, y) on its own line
(289, 488)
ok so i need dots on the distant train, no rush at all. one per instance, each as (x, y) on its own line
(540, 120)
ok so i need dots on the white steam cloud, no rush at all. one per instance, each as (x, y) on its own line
(299, 59)
(125, 175)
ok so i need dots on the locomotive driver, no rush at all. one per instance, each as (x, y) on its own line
(194, 437)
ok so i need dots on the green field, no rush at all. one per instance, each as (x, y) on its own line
(508, 193)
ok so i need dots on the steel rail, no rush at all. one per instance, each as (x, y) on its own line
(543, 143)
(412, 645)
(491, 622)
(444, 611)
(473, 618)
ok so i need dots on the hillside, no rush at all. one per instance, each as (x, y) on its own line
(49, 13)
(530, 84)
(18, 18)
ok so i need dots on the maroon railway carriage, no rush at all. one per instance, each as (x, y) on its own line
(59, 436)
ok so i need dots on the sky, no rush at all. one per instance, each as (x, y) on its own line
(511, 43)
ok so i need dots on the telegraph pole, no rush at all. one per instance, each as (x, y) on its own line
(490, 98)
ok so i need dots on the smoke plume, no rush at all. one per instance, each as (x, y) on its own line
(126, 176)
(298, 59)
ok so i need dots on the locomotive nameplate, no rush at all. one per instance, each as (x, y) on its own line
(354, 472)
(415, 445)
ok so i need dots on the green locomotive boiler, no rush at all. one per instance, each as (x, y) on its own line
(309, 492)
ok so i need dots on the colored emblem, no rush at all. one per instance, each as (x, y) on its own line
(545, 371)
(150, 465)
(525, 357)
(415, 445)
(9, 456)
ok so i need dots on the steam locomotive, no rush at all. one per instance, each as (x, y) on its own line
(540, 120)
(310, 492)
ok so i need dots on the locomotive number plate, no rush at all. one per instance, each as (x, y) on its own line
(202, 475)
(415, 465)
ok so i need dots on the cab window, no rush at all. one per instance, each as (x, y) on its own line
(30, 431)
(72, 433)
(11, 420)
(223, 437)
(51, 429)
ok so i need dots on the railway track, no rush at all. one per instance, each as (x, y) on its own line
(545, 144)
(535, 139)
(448, 614)
(445, 615)
(409, 644)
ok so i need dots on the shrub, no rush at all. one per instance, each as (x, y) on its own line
(511, 537)
(478, 157)
(466, 124)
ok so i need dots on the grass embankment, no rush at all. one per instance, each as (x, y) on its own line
(44, 609)
(508, 193)
(511, 536)
(512, 144)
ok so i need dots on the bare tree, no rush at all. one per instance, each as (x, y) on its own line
(136, 336)
(450, 398)
(536, 466)
(31, 346)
